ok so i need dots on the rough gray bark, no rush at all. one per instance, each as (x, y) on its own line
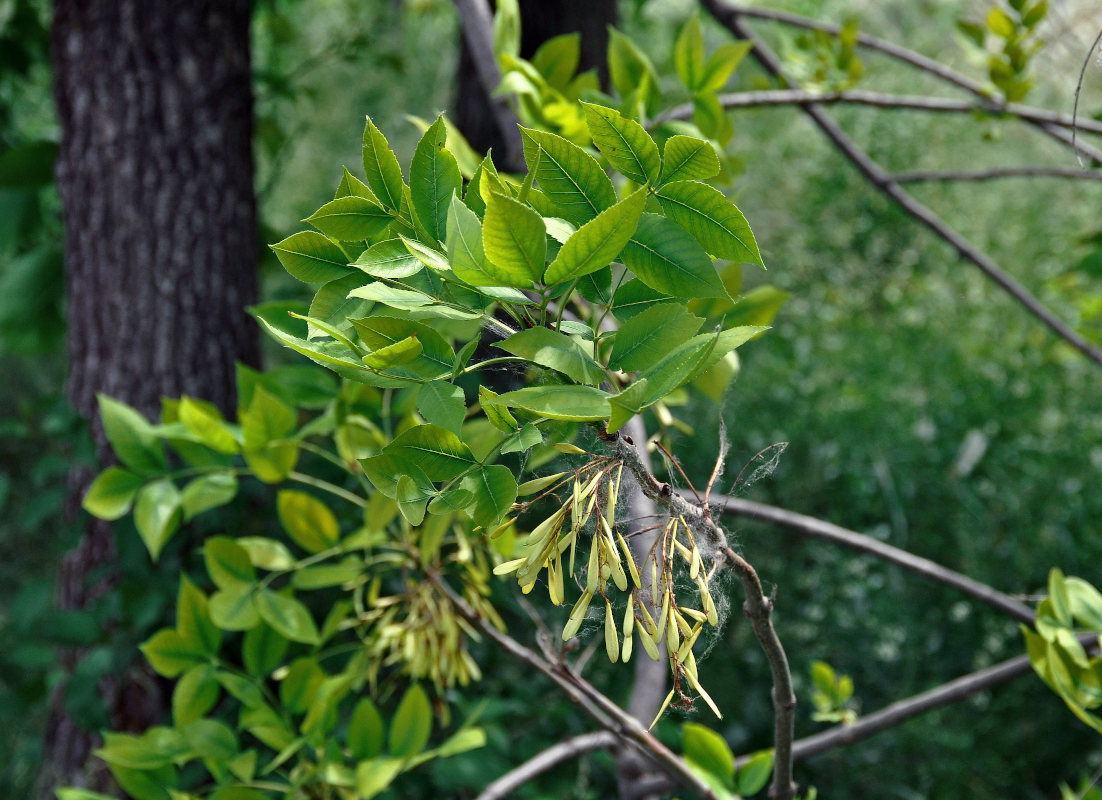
(539, 20)
(155, 175)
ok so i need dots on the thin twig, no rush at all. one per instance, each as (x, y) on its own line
(1075, 173)
(787, 97)
(728, 16)
(548, 759)
(829, 532)
(915, 59)
(903, 710)
(1076, 127)
(477, 23)
(758, 608)
(621, 724)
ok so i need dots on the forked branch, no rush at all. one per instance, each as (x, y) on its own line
(758, 608)
(729, 17)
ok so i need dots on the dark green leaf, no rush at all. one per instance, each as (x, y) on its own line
(384, 176)
(28, 166)
(647, 337)
(208, 491)
(711, 218)
(625, 143)
(666, 258)
(366, 730)
(598, 242)
(572, 403)
(262, 650)
(555, 350)
(707, 749)
(193, 621)
(228, 564)
(568, 176)
(438, 451)
(433, 179)
(442, 403)
(112, 493)
(635, 297)
(131, 437)
(465, 251)
(494, 489)
(287, 616)
(389, 259)
(307, 520)
(157, 515)
(311, 257)
(412, 724)
(687, 158)
(514, 239)
(350, 219)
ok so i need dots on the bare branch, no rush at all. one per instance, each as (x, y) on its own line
(906, 56)
(829, 532)
(758, 608)
(728, 16)
(1074, 173)
(786, 97)
(549, 759)
(1075, 125)
(477, 23)
(903, 710)
(621, 724)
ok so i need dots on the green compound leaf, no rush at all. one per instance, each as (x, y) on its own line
(442, 403)
(707, 750)
(571, 403)
(412, 724)
(350, 219)
(307, 520)
(433, 178)
(688, 54)
(686, 158)
(412, 497)
(311, 257)
(389, 259)
(568, 176)
(366, 730)
(711, 218)
(514, 239)
(494, 489)
(625, 143)
(384, 176)
(112, 493)
(228, 564)
(556, 351)
(287, 616)
(465, 250)
(645, 338)
(598, 242)
(666, 258)
(437, 451)
(131, 437)
(436, 358)
(157, 515)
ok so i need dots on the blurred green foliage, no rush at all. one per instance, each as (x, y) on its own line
(921, 405)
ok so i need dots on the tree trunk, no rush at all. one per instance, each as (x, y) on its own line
(155, 176)
(540, 20)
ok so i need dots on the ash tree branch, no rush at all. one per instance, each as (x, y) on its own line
(477, 23)
(728, 16)
(785, 97)
(547, 760)
(758, 608)
(829, 532)
(622, 725)
(906, 56)
(899, 712)
(1075, 173)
